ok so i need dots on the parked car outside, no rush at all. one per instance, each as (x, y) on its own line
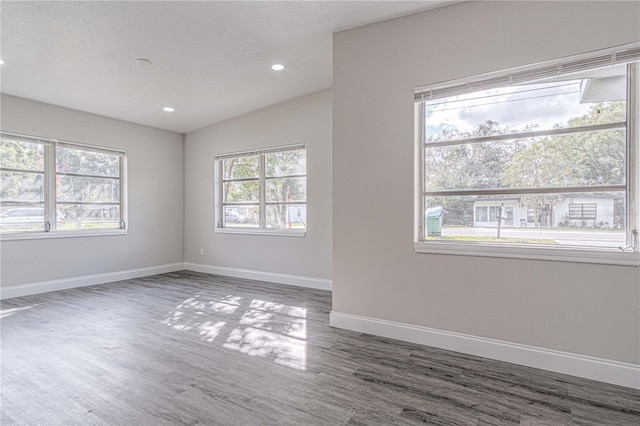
(15, 217)
(231, 216)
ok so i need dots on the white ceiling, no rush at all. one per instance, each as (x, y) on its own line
(211, 60)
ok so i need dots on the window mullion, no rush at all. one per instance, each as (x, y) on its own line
(520, 191)
(421, 143)
(533, 134)
(50, 188)
(219, 197)
(263, 192)
(123, 193)
(238, 180)
(633, 139)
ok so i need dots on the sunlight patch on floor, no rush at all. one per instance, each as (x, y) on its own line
(286, 351)
(264, 329)
(210, 330)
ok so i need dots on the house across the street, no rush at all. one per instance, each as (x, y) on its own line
(571, 211)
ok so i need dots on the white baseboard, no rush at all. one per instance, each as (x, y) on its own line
(604, 370)
(297, 280)
(86, 280)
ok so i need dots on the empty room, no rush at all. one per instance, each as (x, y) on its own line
(319, 213)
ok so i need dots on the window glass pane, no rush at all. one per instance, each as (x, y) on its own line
(16, 186)
(72, 217)
(507, 215)
(240, 168)
(481, 214)
(17, 154)
(569, 101)
(287, 189)
(86, 189)
(78, 161)
(287, 216)
(243, 217)
(241, 192)
(21, 217)
(531, 219)
(578, 159)
(286, 163)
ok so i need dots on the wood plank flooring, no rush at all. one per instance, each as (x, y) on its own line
(197, 349)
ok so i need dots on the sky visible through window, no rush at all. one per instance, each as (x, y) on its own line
(546, 105)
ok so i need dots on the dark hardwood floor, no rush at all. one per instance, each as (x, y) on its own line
(196, 349)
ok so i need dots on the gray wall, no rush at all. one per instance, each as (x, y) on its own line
(155, 176)
(580, 308)
(306, 119)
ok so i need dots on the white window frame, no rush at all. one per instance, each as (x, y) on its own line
(50, 203)
(629, 54)
(262, 204)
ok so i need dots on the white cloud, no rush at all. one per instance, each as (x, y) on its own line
(544, 104)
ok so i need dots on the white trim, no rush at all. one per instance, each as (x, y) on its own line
(515, 251)
(604, 370)
(256, 231)
(60, 234)
(297, 280)
(86, 280)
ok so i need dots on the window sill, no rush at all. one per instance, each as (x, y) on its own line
(274, 232)
(513, 251)
(60, 234)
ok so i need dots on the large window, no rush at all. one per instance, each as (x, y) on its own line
(543, 157)
(59, 188)
(262, 191)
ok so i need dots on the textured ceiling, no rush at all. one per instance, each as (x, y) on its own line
(211, 60)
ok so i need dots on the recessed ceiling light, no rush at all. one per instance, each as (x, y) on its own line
(277, 67)
(1, 62)
(144, 62)
(168, 109)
